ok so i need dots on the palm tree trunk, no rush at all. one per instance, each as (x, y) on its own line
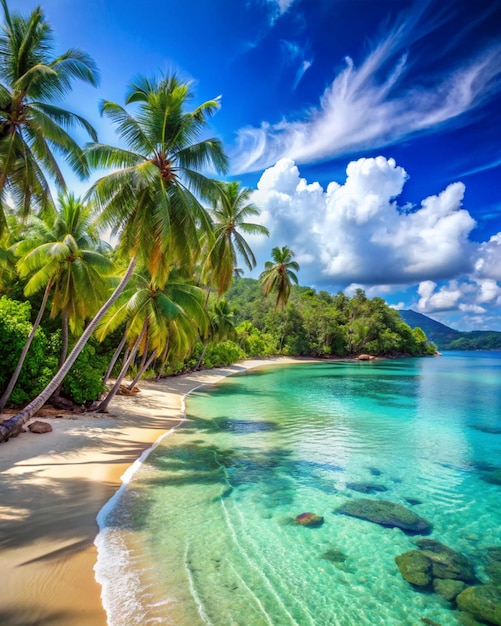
(143, 369)
(13, 379)
(164, 362)
(114, 358)
(13, 425)
(204, 350)
(141, 364)
(113, 391)
(64, 347)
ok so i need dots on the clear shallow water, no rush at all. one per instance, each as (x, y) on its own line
(202, 534)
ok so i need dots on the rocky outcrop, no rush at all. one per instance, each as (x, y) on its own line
(386, 513)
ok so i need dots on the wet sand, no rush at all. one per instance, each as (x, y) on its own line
(52, 486)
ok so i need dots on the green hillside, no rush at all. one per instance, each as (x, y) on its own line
(447, 338)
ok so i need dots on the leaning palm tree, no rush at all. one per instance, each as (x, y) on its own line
(231, 208)
(32, 129)
(61, 257)
(279, 275)
(152, 316)
(152, 202)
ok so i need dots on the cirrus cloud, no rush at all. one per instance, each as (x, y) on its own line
(370, 105)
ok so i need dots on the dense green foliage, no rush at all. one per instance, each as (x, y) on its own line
(15, 326)
(321, 324)
(82, 384)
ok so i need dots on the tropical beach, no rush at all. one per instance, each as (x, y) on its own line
(52, 487)
(220, 314)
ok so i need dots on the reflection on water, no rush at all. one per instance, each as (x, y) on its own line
(205, 532)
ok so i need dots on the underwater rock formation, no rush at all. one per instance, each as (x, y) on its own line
(386, 513)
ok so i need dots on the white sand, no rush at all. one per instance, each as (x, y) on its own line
(52, 486)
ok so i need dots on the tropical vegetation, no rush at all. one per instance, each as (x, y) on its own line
(168, 296)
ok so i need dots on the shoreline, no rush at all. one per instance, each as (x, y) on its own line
(52, 488)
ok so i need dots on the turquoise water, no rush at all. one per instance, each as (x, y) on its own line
(203, 533)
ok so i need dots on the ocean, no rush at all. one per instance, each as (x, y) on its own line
(205, 532)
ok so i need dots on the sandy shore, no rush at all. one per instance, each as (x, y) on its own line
(52, 487)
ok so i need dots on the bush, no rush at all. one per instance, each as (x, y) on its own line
(225, 353)
(84, 381)
(39, 365)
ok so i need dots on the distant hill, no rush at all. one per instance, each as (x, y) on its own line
(447, 338)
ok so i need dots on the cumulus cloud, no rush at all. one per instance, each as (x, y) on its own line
(367, 107)
(488, 264)
(354, 234)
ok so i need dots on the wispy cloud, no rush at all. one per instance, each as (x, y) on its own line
(297, 56)
(367, 106)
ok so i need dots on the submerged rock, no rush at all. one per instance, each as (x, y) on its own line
(448, 588)
(386, 513)
(333, 555)
(493, 571)
(467, 619)
(493, 477)
(445, 562)
(309, 519)
(435, 563)
(415, 568)
(483, 602)
(413, 501)
(494, 553)
(366, 487)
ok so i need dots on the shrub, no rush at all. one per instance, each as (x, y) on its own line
(39, 365)
(84, 382)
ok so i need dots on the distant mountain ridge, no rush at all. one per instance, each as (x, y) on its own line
(447, 338)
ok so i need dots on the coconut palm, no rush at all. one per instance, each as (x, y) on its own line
(32, 129)
(155, 318)
(279, 275)
(152, 202)
(221, 326)
(61, 258)
(231, 208)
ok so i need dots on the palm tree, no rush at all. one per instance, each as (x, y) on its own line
(153, 200)
(32, 129)
(279, 274)
(63, 260)
(154, 316)
(231, 208)
(221, 327)
(151, 203)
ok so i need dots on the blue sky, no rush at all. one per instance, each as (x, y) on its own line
(370, 129)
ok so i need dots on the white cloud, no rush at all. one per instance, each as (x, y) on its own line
(488, 264)
(354, 235)
(360, 110)
(356, 232)
(283, 5)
